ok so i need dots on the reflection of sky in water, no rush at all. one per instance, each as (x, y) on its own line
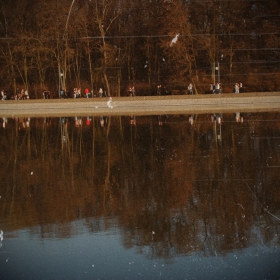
(102, 256)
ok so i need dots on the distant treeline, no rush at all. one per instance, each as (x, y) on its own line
(114, 44)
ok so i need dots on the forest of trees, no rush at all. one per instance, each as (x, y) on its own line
(116, 43)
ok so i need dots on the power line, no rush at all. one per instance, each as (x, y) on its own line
(144, 36)
(258, 49)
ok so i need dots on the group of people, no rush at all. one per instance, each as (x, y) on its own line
(21, 94)
(162, 90)
(238, 88)
(216, 88)
(77, 93)
(64, 93)
(131, 91)
(46, 94)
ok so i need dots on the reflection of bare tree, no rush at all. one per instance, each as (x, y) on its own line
(65, 146)
(44, 138)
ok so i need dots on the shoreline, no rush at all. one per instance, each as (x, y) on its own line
(142, 105)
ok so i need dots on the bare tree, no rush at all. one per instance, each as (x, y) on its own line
(105, 12)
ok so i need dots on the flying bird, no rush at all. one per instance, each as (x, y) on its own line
(174, 40)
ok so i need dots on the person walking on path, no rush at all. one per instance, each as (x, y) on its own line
(87, 93)
(241, 88)
(190, 88)
(218, 88)
(133, 91)
(236, 88)
(159, 90)
(100, 92)
(3, 95)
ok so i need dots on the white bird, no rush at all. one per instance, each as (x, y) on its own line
(1, 235)
(174, 40)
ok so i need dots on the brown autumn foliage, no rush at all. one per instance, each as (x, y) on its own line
(117, 43)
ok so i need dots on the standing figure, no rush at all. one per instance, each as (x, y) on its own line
(17, 94)
(131, 91)
(212, 88)
(87, 93)
(217, 88)
(100, 92)
(236, 88)
(241, 88)
(46, 94)
(65, 93)
(190, 88)
(26, 95)
(77, 93)
(2, 94)
(61, 92)
(21, 95)
(159, 90)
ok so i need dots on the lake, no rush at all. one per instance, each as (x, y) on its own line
(140, 197)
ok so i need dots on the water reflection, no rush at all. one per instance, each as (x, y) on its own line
(177, 184)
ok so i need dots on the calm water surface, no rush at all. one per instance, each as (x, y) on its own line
(145, 197)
